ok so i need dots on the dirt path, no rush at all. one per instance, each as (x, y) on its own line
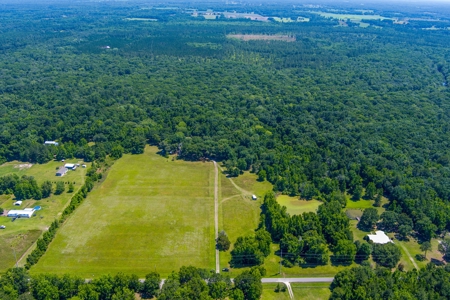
(410, 257)
(244, 192)
(216, 213)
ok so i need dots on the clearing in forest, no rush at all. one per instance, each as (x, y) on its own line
(264, 37)
(295, 206)
(150, 214)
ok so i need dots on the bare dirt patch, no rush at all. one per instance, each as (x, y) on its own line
(23, 166)
(264, 37)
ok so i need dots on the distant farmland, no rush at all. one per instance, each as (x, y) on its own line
(151, 213)
(264, 37)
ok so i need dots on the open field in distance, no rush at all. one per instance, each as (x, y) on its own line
(263, 37)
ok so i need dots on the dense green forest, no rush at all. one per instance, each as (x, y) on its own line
(339, 110)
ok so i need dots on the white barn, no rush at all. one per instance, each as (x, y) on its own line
(70, 166)
(24, 213)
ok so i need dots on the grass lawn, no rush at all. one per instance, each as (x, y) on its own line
(22, 233)
(248, 181)
(150, 214)
(295, 206)
(311, 291)
(413, 248)
(270, 294)
(360, 204)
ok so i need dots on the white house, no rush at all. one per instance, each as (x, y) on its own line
(69, 166)
(51, 143)
(379, 237)
(24, 213)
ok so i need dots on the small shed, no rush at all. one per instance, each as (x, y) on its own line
(69, 166)
(254, 197)
(18, 203)
(62, 171)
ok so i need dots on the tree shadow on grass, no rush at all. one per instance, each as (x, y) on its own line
(335, 261)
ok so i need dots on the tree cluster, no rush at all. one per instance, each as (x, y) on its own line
(189, 283)
(361, 282)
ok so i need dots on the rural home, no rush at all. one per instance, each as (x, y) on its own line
(51, 143)
(61, 172)
(379, 237)
(25, 213)
(70, 166)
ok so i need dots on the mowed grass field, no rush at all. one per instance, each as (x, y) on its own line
(150, 214)
(21, 234)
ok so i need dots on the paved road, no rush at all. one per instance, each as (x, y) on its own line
(297, 279)
(216, 213)
(283, 280)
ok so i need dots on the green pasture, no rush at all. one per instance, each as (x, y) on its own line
(19, 235)
(270, 294)
(150, 214)
(311, 291)
(238, 213)
(295, 206)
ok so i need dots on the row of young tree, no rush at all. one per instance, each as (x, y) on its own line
(189, 283)
(26, 187)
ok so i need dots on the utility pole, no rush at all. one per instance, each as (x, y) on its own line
(15, 257)
(281, 259)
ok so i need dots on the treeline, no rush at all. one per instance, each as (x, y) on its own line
(92, 175)
(26, 187)
(189, 283)
(431, 282)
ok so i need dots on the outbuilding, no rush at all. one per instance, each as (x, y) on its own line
(254, 197)
(62, 171)
(18, 203)
(51, 143)
(24, 213)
